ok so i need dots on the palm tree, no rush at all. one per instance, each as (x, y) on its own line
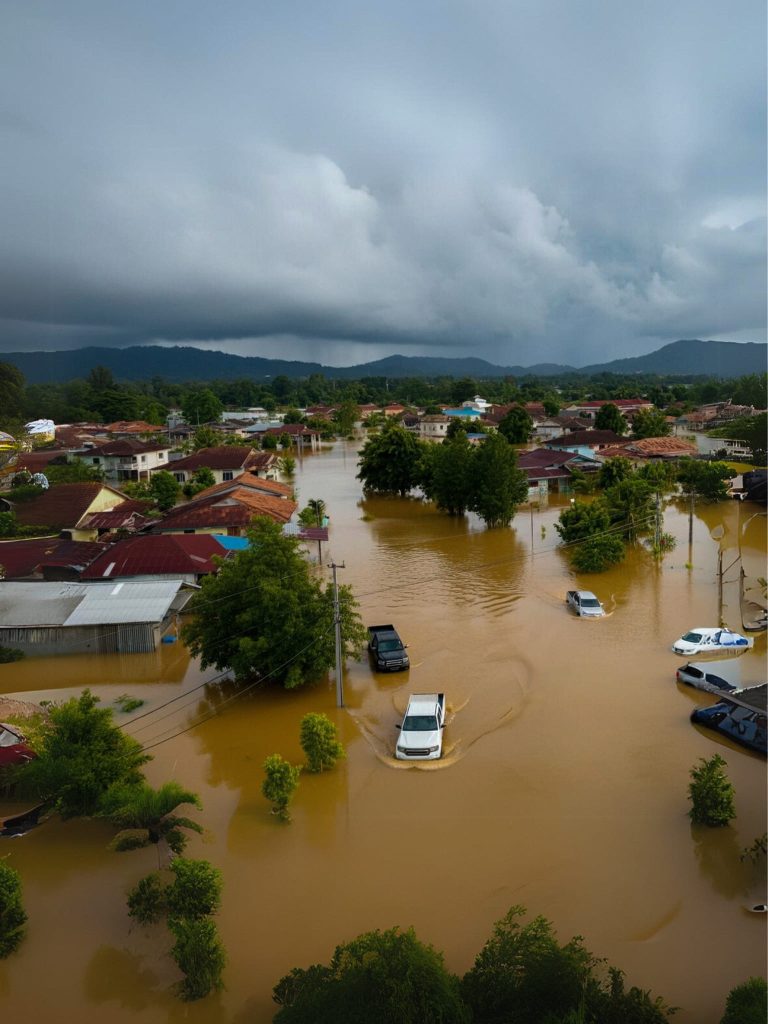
(317, 506)
(145, 815)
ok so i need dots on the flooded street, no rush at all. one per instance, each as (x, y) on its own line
(563, 786)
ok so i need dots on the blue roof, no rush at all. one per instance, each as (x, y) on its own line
(462, 412)
(231, 543)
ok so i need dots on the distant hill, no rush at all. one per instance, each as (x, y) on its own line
(183, 363)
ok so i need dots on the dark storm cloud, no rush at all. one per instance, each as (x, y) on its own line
(525, 181)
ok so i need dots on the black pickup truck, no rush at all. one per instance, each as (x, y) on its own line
(387, 649)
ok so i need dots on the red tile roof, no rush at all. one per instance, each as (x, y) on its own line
(225, 456)
(63, 506)
(36, 462)
(133, 427)
(130, 446)
(157, 555)
(251, 481)
(585, 438)
(294, 429)
(232, 509)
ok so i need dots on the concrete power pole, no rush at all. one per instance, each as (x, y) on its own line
(337, 625)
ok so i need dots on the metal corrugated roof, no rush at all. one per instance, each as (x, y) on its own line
(38, 604)
(107, 604)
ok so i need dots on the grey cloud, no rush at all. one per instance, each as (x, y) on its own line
(511, 181)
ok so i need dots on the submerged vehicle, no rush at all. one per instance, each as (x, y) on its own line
(741, 716)
(387, 649)
(421, 733)
(711, 639)
(712, 677)
(584, 603)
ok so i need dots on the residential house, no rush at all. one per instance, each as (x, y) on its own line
(393, 409)
(300, 435)
(552, 471)
(477, 403)
(47, 558)
(659, 448)
(227, 511)
(67, 507)
(101, 618)
(251, 481)
(434, 427)
(226, 462)
(586, 441)
(159, 556)
(126, 459)
(133, 428)
(626, 406)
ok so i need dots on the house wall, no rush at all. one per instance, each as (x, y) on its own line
(126, 638)
(220, 475)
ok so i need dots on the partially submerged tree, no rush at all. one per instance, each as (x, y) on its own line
(747, 1003)
(389, 977)
(389, 461)
(80, 754)
(320, 742)
(146, 815)
(451, 474)
(12, 914)
(711, 793)
(199, 954)
(705, 480)
(264, 614)
(281, 780)
(499, 486)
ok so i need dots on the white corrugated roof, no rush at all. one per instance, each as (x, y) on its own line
(106, 604)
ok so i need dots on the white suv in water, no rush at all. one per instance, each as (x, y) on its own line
(421, 734)
(584, 603)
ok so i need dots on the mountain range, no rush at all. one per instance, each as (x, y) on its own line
(183, 363)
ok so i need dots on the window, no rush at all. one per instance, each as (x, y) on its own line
(161, 455)
(143, 458)
(227, 475)
(96, 461)
(181, 477)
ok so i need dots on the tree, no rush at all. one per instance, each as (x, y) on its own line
(345, 416)
(80, 754)
(12, 914)
(164, 489)
(74, 472)
(207, 437)
(451, 481)
(650, 423)
(195, 891)
(704, 479)
(313, 512)
(755, 434)
(11, 393)
(456, 428)
(747, 1003)
(293, 416)
(517, 425)
(630, 505)
(389, 461)
(145, 815)
(523, 973)
(388, 977)
(499, 486)
(711, 793)
(751, 390)
(614, 470)
(280, 784)
(551, 405)
(201, 479)
(146, 901)
(264, 614)
(609, 418)
(199, 953)
(464, 389)
(287, 465)
(582, 520)
(320, 742)
(201, 406)
(598, 553)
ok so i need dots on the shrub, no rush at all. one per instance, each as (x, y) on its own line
(598, 553)
(747, 1003)
(195, 891)
(12, 914)
(146, 901)
(199, 953)
(319, 742)
(280, 784)
(711, 793)
(8, 654)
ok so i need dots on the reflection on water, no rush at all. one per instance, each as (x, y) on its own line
(564, 785)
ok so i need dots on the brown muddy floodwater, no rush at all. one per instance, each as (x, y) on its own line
(564, 786)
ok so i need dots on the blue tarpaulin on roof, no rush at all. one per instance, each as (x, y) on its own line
(231, 543)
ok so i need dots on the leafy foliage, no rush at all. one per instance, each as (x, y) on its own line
(613, 471)
(582, 520)
(146, 901)
(630, 505)
(449, 478)
(747, 1003)
(389, 977)
(650, 423)
(164, 489)
(609, 418)
(264, 604)
(389, 461)
(195, 891)
(711, 793)
(201, 406)
(199, 953)
(312, 513)
(704, 479)
(499, 486)
(81, 754)
(9, 654)
(517, 425)
(320, 742)
(12, 914)
(280, 784)
(201, 479)
(142, 810)
(596, 554)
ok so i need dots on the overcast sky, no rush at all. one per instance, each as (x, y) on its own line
(524, 181)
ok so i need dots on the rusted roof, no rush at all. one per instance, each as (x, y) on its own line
(128, 446)
(249, 480)
(37, 462)
(663, 446)
(233, 509)
(133, 427)
(63, 506)
(21, 558)
(157, 555)
(294, 429)
(225, 456)
(585, 438)
(115, 519)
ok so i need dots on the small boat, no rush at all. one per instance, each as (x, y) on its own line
(758, 908)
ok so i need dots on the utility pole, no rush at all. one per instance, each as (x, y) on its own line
(337, 624)
(690, 517)
(657, 531)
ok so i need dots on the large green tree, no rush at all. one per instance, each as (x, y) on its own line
(499, 486)
(517, 425)
(609, 418)
(265, 614)
(451, 479)
(164, 489)
(706, 480)
(201, 405)
(80, 754)
(385, 977)
(389, 461)
(650, 423)
(630, 505)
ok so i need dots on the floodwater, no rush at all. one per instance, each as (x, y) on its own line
(563, 788)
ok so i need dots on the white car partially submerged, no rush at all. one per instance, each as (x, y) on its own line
(710, 640)
(421, 733)
(584, 603)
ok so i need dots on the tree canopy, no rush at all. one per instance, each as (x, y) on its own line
(704, 479)
(499, 486)
(265, 615)
(650, 423)
(609, 418)
(517, 425)
(389, 461)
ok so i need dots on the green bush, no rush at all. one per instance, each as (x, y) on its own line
(195, 891)
(747, 1003)
(711, 793)
(8, 654)
(319, 742)
(12, 915)
(146, 901)
(280, 784)
(598, 553)
(199, 953)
